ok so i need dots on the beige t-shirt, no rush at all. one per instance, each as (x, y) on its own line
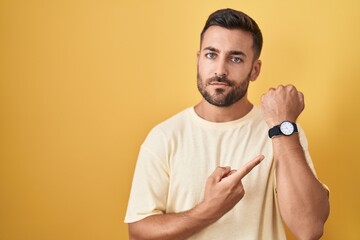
(179, 154)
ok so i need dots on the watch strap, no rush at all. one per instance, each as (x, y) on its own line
(274, 131)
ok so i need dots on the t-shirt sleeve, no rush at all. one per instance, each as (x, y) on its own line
(150, 184)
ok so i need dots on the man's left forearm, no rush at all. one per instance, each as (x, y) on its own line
(303, 201)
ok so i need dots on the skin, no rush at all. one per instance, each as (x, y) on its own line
(227, 53)
(302, 200)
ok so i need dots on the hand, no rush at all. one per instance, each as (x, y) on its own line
(282, 103)
(224, 189)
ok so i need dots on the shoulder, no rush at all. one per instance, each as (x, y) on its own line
(170, 126)
(174, 123)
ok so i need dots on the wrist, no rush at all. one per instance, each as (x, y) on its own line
(206, 213)
(277, 121)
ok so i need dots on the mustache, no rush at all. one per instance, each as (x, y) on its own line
(220, 79)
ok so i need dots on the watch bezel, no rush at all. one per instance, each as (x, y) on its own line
(287, 128)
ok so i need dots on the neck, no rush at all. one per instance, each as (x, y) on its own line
(213, 113)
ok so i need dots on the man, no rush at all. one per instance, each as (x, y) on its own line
(193, 169)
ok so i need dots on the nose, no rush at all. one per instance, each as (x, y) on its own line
(221, 69)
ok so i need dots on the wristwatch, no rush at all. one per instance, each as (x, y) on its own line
(286, 128)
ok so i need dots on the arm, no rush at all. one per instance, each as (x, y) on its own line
(223, 190)
(171, 226)
(303, 201)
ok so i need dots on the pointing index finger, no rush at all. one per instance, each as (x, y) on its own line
(242, 172)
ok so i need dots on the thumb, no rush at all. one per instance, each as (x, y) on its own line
(219, 173)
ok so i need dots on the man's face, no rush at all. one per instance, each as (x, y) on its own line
(225, 65)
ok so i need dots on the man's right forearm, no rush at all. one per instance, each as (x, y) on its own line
(172, 226)
(223, 190)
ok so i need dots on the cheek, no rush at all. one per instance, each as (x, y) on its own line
(205, 68)
(240, 72)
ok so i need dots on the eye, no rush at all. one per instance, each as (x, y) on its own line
(236, 59)
(210, 55)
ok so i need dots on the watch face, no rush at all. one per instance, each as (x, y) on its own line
(287, 128)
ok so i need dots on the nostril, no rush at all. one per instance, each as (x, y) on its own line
(220, 75)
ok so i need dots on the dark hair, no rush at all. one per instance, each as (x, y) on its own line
(233, 19)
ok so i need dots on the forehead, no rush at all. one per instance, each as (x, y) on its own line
(227, 39)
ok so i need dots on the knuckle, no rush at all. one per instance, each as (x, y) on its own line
(219, 169)
(292, 87)
(210, 179)
(242, 192)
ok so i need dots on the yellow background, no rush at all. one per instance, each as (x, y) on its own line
(82, 83)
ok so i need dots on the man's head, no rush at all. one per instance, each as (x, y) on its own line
(233, 19)
(228, 57)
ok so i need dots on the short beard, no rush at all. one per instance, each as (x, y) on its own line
(219, 99)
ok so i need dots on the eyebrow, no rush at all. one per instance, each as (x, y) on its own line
(212, 49)
(233, 52)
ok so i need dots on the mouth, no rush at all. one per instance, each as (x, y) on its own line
(217, 84)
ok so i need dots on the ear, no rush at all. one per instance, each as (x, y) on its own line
(255, 70)
(197, 57)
